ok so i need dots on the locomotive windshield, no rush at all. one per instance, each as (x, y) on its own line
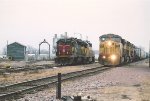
(110, 37)
(65, 42)
(106, 38)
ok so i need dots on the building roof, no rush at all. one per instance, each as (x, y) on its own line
(17, 43)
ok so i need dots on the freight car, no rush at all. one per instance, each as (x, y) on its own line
(140, 54)
(74, 51)
(114, 50)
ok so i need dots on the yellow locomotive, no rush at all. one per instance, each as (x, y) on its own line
(114, 50)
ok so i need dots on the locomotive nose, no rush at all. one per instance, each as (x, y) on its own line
(103, 57)
(113, 57)
(63, 50)
(109, 43)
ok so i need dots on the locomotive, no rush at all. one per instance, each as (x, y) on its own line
(114, 50)
(74, 51)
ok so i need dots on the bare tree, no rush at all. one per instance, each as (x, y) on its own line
(4, 52)
(31, 50)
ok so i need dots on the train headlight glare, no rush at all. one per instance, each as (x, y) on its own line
(103, 39)
(113, 57)
(104, 57)
(109, 43)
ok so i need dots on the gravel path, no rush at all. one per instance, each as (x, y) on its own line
(128, 83)
(11, 78)
(16, 64)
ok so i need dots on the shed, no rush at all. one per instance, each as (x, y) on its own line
(16, 51)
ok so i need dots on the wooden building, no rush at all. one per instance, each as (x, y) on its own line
(16, 51)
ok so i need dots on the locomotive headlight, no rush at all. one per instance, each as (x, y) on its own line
(109, 43)
(104, 57)
(113, 57)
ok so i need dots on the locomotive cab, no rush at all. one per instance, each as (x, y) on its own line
(114, 50)
(65, 51)
(73, 51)
(110, 50)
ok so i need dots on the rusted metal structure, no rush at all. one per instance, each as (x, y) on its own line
(41, 44)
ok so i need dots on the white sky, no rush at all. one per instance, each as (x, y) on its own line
(30, 21)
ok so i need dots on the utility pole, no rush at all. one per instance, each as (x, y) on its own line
(58, 89)
(78, 34)
(149, 54)
(86, 37)
(49, 52)
(6, 48)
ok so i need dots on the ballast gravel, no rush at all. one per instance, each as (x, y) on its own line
(126, 83)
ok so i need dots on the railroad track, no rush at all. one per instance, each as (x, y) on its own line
(11, 91)
(19, 69)
(37, 67)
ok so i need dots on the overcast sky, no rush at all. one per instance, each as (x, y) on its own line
(30, 21)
